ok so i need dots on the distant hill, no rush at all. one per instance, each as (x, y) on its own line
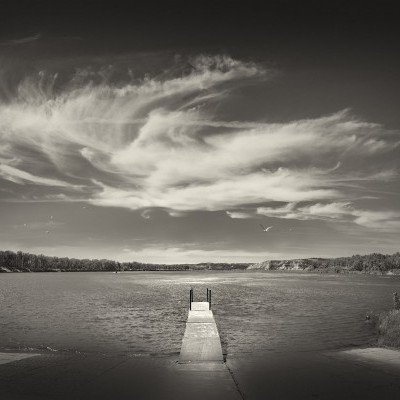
(372, 263)
(303, 264)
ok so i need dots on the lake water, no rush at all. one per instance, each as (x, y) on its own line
(144, 313)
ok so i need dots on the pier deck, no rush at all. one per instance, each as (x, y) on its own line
(201, 341)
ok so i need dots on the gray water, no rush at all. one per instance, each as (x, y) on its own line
(144, 313)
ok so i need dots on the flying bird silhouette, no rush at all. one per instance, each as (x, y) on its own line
(265, 229)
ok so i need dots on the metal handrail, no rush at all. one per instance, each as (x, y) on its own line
(191, 298)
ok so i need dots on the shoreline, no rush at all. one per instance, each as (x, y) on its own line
(374, 263)
(368, 373)
(250, 271)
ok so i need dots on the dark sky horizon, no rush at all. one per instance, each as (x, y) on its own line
(168, 133)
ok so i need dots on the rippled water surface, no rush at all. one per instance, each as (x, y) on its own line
(145, 312)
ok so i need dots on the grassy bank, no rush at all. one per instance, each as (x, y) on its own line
(389, 329)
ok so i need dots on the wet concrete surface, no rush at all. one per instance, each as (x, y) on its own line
(6, 358)
(309, 375)
(77, 376)
(274, 375)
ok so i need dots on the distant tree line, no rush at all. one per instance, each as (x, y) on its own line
(371, 263)
(26, 262)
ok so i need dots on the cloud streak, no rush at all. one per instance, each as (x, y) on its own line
(338, 211)
(21, 177)
(160, 142)
(24, 40)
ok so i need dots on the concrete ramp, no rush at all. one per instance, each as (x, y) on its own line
(201, 341)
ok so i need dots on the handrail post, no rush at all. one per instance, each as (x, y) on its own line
(190, 298)
(209, 299)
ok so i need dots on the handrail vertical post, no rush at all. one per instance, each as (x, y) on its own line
(209, 300)
(190, 299)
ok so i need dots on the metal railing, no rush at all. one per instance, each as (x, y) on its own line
(191, 298)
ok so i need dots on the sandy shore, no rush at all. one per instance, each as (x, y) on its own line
(351, 374)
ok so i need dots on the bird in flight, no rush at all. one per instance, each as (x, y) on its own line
(265, 229)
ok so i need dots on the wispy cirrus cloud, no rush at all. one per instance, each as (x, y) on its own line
(338, 211)
(21, 177)
(23, 40)
(160, 142)
(239, 214)
(146, 214)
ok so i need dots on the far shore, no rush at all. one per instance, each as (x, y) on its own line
(376, 264)
(285, 270)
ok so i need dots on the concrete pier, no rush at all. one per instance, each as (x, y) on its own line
(201, 341)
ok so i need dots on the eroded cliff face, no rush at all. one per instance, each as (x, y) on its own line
(306, 264)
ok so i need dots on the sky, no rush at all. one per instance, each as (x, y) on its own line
(169, 133)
